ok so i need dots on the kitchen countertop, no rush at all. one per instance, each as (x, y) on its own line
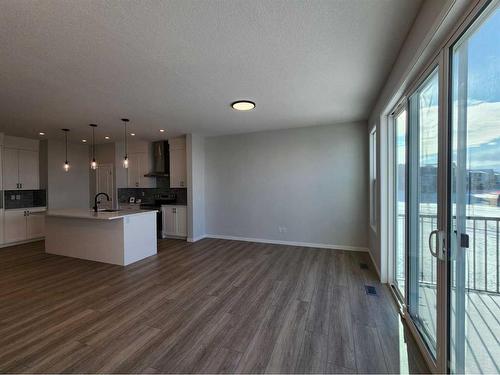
(77, 213)
(125, 204)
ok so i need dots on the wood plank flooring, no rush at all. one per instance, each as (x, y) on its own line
(215, 306)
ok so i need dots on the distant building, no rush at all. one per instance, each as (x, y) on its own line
(482, 180)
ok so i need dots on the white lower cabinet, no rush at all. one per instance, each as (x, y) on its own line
(174, 221)
(14, 225)
(24, 224)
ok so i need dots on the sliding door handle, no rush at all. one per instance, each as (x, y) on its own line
(439, 250)
(431, 248)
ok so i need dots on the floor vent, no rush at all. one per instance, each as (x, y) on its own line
(370, 290)
(363, 266)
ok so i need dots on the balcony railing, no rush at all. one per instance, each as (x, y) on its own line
(483, 273)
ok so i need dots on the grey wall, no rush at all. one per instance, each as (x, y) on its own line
(67, 189)
(312, 181)
(195, 153)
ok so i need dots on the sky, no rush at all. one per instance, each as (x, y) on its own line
(483, 98)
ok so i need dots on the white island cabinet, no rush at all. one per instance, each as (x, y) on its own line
(121, 237)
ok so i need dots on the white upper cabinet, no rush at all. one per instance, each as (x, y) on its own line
(20, 169)
(138, 165)
(10, 169)
(29, 175)
(133, 171)
(178, 173)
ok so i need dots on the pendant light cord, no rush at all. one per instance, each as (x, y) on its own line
(66, 136)
(126, 145)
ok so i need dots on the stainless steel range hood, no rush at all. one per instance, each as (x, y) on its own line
(161, 160)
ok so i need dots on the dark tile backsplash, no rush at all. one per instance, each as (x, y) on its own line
(148, 195)
(25, 198)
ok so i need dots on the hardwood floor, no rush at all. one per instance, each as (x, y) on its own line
(215, 306)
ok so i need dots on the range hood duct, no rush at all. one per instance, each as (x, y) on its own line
(161, 160)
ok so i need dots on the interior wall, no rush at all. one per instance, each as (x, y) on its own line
(66, 189)
(195, 153)
(306, 185)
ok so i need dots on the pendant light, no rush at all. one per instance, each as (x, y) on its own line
(125, 158)
(66, 163)
(93, 163)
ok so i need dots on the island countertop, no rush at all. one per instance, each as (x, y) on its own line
(78, 213)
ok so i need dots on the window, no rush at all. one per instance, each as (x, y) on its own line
(400, 217)
(373, 179)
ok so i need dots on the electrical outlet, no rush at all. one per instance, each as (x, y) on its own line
(18, 197)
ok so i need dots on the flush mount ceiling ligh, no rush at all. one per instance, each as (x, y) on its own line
(243, 105)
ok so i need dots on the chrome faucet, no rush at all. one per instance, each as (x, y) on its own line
(96, 202)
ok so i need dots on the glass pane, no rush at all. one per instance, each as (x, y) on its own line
(423, 207)
(400, 199)
(475, 177)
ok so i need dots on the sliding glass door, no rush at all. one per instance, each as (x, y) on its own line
(423, 208)
(446, 200)
(474, 267)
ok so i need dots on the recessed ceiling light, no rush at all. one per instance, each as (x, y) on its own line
(243, 105)
(106, 137)
(84, 140)
(41, 133)
(132, 134)
(162, 130)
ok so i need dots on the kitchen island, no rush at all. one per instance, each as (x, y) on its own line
(119, 237)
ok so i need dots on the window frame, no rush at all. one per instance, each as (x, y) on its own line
(373, 178)
(399, 108)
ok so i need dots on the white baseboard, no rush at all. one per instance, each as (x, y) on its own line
(21, 242)
(289, 243)
(195, 239)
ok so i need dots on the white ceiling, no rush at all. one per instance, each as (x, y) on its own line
(179, 64)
